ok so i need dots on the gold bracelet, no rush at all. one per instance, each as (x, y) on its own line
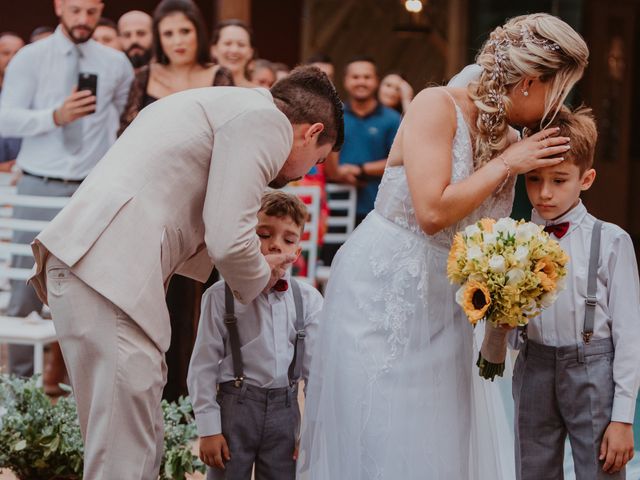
(508, 167)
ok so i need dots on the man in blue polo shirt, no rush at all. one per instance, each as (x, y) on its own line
(369, 130)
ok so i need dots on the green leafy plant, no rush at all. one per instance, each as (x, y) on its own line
(42, 441)
(38, 440)
(179, 432)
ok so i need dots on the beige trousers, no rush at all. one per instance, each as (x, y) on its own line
(117, 374)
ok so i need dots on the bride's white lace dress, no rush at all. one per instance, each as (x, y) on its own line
(391, 393)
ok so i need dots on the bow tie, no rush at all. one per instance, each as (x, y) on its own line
(559, 229)
(281, 286)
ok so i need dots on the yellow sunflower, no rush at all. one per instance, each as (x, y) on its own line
(458, 249)
(476, 301)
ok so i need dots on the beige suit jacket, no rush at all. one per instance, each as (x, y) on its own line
(178, 192)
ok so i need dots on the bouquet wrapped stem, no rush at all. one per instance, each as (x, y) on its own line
(493, 351)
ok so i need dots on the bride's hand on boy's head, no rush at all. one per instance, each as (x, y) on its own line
(541, 149)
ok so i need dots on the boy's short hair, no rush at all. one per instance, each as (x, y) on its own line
(279, 204)
(580, 126)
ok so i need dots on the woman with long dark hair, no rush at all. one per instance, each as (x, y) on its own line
(181, 58)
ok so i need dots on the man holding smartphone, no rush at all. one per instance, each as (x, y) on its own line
(57, 95)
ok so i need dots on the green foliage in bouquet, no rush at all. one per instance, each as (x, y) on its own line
(179, 431)
(42, 441)
(38, 440)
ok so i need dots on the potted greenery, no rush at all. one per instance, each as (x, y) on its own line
(41, 441)
(179, 431)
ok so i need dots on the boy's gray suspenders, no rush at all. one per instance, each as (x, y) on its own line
(231, 322)
(298, 347)
(592, 288)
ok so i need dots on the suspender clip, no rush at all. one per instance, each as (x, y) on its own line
(591, 301)
(238, 382)
(230, 318)
(586, 336)
(301, 335)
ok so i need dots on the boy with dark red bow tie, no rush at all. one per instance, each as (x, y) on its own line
(248, 359)
(577, 372)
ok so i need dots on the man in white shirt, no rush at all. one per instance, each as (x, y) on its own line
(65, 132)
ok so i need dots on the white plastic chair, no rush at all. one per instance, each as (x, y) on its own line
(16, 330)
(341, 200)
(310, 195)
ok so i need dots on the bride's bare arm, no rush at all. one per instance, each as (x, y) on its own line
(429, 128)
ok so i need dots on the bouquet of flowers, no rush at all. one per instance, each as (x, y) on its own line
(509, 271)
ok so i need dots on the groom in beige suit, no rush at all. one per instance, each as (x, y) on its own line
(178, 192)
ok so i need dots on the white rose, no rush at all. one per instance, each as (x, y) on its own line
(561, 283)
(526, 231)
(548, 298)
(474, 253)
(507, 226)
(497, 264)
(489, 238)
(530, 308)
(472, 230)
(515, 276)
(460, 295)
(521, 255)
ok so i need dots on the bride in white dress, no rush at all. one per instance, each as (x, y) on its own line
(391, 393)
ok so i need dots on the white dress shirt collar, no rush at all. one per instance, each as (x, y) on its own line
(573, 216)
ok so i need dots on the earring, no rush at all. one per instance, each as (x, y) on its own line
(525, 93)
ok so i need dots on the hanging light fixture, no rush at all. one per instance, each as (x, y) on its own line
(413, 6)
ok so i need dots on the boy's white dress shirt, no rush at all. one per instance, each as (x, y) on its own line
(618, 302)
(267, 333)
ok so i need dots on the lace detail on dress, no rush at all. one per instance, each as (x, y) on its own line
(389, 309)
(394, 199)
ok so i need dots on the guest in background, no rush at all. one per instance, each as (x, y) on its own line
(10, 43)
(181, 58)
(106, 33)
(324, 63)
(134, 28)
(64, 133)
(262, 73)
(40, 32)
(282, 70)
(181, 62)
(395, 92)
(369, 130)
(232, 48)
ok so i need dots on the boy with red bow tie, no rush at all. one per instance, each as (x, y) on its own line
(577, 372)
(248, 359)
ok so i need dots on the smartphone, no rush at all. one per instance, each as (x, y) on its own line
(88, 81)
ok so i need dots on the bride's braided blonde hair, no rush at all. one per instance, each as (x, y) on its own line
(537, 45)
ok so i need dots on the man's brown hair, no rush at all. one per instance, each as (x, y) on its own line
(280, 205)
(308, 96)
(580, 126)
